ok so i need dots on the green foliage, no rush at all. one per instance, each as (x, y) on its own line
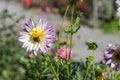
(11, 58)
(39, 69)
(76, 71)
(110, 27)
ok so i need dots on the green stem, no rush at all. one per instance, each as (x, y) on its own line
(67, 46)
(72, 13)
(86, 73)
(58, 69)
(68, 69)
(57, 55)
(53, 69)
(93, 65)
(119, 29)
(60, 33)
(71, 37)
(68, 61)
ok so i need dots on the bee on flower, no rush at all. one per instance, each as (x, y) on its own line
(112, 56)
(37, 37)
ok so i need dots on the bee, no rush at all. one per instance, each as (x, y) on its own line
(36, 39)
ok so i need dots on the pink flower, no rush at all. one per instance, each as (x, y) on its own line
(63, 41)
(63, 52)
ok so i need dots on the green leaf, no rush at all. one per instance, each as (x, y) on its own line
(76, 21)
(92, 45)
(77, 29)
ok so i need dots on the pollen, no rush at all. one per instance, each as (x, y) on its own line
(36, 35)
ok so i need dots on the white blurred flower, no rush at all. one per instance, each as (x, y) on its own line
(117, 3)
(118, 7)
(118, 11)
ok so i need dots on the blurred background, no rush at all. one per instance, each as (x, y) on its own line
(98, 23)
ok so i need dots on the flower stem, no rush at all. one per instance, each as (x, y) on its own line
(58, 69)
(86, 73)
(72, 13)
(53, 69)
(67, 47)
(93, 65)
(119, 29)
(60, 33)
(71, 35)
(68, 69)
(67, 57)
(92, 68)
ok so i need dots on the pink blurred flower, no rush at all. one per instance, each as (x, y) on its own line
(63, 52)
(63, 41)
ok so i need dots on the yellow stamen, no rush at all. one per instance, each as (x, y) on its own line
(36, 35)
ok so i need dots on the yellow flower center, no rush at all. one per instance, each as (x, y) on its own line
(36, 35)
